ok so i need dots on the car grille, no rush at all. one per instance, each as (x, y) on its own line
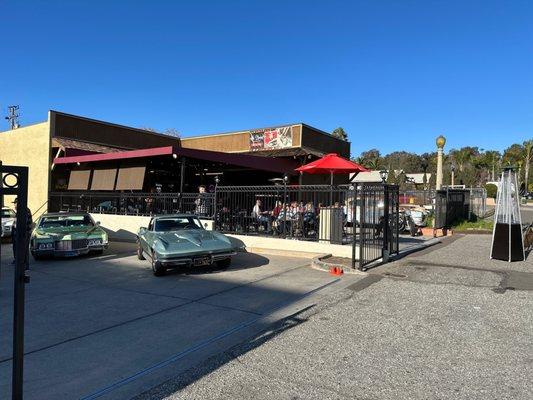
(66, 245)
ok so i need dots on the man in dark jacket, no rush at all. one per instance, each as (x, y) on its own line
(28, 226)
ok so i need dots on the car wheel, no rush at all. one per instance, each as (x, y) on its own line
(223, 264)
(98, 252)
(140, 254)
(157, 268)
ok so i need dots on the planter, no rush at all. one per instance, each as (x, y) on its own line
(436, 232)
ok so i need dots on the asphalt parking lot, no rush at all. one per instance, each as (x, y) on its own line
(105, 327)
(443, 323)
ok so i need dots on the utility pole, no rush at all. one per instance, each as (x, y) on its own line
(13, 117)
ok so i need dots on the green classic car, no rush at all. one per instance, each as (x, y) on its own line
(67, 235)
(181, 240)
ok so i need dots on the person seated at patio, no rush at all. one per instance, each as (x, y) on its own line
(309, 219)
(201, 202)
(285, 219)
(277, 209)
(348, 214)
(262, 217)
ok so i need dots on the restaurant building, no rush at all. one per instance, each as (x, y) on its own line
(78, 155)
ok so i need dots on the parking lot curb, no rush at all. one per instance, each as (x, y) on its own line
(320, 262)
(284, 253)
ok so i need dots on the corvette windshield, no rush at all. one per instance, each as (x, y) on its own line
(66, 221)
(177, 223)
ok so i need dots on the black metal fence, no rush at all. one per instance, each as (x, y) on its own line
(477, 199)
(365, 214)
(134, 203)
(286, 211)
(377, 211)
(451, 205)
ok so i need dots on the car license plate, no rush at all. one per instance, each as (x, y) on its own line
(70, 253)
(202, 261)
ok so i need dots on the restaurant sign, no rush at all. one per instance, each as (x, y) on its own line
(271, 138)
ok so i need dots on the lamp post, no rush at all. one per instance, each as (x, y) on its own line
(384, 174)
(217, 181)
(453, 174)
(441, 141)
(425, 164)
(285, 181)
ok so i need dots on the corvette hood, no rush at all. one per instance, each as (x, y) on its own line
(192, 241)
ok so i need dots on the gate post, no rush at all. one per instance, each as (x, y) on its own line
(385, 249)
(18, 188)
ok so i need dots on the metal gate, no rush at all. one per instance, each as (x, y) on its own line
(14, 181)
(451, 205)
(376, 211)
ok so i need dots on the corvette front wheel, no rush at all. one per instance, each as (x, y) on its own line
(140, 254)
(157, 268)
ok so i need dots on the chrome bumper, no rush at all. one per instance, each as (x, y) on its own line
(189, 260)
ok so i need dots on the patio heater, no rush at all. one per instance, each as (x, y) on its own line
(507, 239)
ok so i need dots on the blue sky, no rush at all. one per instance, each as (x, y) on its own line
(394, 74)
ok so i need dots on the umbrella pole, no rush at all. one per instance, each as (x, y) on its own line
(331, 188)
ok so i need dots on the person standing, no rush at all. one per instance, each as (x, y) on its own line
(200, 202)
(28, 226)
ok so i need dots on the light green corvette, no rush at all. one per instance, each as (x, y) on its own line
(180, 239)
(67, 235)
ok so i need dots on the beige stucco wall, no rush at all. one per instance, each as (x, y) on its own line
(29, 146)
(125, 228)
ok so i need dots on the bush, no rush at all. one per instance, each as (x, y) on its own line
(491, 189)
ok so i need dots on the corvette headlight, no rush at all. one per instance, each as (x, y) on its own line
(95, 242)
(46, 246)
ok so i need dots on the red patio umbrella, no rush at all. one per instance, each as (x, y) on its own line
(331, 164)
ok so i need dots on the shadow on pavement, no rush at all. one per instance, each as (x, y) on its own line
(212, 364)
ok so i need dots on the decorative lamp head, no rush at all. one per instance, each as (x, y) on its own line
(441, 141)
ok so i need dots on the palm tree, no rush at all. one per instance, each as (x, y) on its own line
(528, 150)
(493, 158)
(462, 157)
(373, 164)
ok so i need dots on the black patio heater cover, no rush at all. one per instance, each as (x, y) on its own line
(507, 239)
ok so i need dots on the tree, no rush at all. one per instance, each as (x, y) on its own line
(172, 132)
(340, 134)
(371, 159)
(493, 159)
(528, 149)
(169, 131)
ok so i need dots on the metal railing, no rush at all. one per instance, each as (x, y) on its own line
(286, 211)
(133, 203)
(477, 199)
(330, 214)
(378, 225)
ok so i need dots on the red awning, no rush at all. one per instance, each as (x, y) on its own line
(331, 164)
(242, 160)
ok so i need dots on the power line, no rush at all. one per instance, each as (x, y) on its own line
(13, 117)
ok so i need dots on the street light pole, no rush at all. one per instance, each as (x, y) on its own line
(453, 175)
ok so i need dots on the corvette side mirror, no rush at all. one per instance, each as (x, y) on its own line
(142, 230)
